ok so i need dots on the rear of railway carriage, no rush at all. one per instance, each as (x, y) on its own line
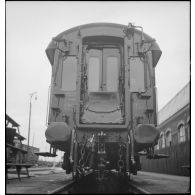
(103, 109)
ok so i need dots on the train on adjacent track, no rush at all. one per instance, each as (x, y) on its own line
(103, 108)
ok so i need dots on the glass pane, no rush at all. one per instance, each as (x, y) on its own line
(182, 133)
(94, 71)
(162, 138)
(112, 74)
(69, 73)
(157, 146)
(168, 138)
(136, 74)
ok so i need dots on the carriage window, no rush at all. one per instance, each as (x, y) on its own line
(69, 73)
(188, 129)
(94, 71)
(157, 146)
(162, 140)
(112, 74)
(182, 136)
(168, 138)
(136, 75)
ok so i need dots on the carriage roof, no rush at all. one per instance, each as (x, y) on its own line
(179, 101)
(98, 29)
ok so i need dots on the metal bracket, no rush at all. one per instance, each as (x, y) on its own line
(63, 44)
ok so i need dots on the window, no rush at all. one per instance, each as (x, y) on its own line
(182, 136)
(157, 146)
(112, 74)
(188, 126)
(136, 75)
(69, 72)
(162, 140)
(94, 74)
(174, 138)
(168, 138)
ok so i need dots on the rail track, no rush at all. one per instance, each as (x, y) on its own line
(137, 190)
(64, 188)
(89, 185)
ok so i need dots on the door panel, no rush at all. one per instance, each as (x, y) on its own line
(94, 69)
(103, 69)
(103, 103)
(111, 64)
(94, 74)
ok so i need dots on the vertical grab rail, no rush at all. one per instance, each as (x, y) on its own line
(48, 100)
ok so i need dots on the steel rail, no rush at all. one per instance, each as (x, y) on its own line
(66, 186)
(137, 190)
(62, 188)
(131, 187)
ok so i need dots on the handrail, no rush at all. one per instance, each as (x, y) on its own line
(103, 111)
(48, 100)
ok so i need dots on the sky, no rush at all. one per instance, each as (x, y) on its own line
(30, 26)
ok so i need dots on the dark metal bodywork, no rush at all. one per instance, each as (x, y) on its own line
(119, 114)
(73, 38)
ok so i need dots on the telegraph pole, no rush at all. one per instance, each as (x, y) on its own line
(31, 95)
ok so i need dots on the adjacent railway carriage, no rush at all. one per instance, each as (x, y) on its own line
(102, 110)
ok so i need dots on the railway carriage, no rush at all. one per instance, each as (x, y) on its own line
(103, 110)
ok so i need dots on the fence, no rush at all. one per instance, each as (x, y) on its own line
(179, 155)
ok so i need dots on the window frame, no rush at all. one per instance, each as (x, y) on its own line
(144, 75)
(96, 53)
(104, 54)
(181, 139)
(157, 146)
(162, 140)
(107, 53)
(100, 69)
(188, 127)
(168, 131)
(63, 59)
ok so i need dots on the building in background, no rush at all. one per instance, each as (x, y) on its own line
(16, 151)
(174, 126)
(31, 157)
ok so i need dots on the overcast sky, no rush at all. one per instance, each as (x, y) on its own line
(31, 25)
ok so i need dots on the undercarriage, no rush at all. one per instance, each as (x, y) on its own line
(97, 155)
